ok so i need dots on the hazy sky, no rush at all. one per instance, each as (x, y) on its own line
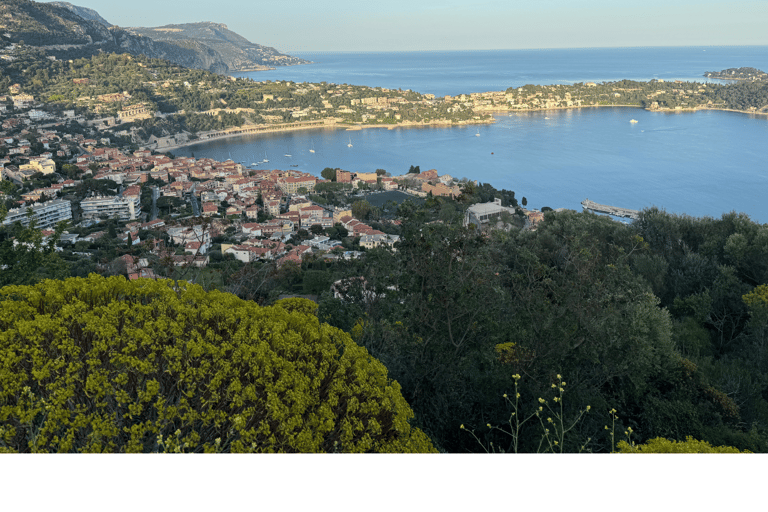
(394, 25)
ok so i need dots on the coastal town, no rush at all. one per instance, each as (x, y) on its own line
(177, 207)
(92, 145)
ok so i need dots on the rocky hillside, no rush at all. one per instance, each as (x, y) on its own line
(83, 12)
(61, 29)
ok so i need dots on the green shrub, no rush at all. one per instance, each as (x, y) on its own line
(661, 445)
(107, 365)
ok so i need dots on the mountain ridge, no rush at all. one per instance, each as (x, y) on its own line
(63, 33)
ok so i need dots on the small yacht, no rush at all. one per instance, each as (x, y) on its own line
(265, 158)
(350, 143)
(478, 133)
(313, 147)
(287, 155)
(633, 121)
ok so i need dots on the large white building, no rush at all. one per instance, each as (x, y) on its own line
(483, 213)
(124, 208)
(47, 214)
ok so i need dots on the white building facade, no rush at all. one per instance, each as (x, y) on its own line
(47, 214)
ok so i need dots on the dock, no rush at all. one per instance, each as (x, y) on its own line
(610, 210)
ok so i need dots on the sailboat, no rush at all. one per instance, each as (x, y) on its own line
(478, 133)
(265, 158)
(350, 143)
(313, 147)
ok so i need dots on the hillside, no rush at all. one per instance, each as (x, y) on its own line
(40, 24)
(64, 33)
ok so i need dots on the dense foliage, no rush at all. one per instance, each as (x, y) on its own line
(107, 365)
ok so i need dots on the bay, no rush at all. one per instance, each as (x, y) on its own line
(698, 163)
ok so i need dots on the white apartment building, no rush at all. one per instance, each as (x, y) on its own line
(124, 208)
(47, 214)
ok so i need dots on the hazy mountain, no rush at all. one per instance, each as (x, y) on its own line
(234, 50)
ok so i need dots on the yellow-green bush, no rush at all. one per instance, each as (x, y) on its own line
(661, 445)
(107, 365)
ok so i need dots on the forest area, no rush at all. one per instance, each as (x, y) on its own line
(589, 330)
(663, 322)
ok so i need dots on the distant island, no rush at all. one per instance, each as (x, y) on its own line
(752, 74)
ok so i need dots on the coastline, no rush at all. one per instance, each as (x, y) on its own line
(358, 127)
(666, 110)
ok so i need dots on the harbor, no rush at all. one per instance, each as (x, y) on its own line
(616, 211)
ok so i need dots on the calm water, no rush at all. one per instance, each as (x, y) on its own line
(454, 73)
(702, 164)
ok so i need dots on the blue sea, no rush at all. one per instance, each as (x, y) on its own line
(700, 164)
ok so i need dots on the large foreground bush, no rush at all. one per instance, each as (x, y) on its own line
(107, 365)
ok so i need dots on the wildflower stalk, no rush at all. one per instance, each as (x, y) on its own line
(550, 441)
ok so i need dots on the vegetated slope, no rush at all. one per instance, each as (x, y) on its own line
(235, 51)
(110, 365)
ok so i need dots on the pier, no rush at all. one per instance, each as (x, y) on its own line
(610, 210)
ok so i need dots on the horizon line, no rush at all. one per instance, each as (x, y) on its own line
(538, 48)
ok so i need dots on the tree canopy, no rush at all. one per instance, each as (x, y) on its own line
(107, 365)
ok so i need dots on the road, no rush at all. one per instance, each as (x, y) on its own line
(155, 197)
(193, 201)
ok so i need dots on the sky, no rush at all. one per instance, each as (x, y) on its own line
(293, 26)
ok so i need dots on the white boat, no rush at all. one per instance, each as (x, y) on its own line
(478, 133)
(289, 156)
(633, 121)
(265, 158)
(313, 147)
(350, 143)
